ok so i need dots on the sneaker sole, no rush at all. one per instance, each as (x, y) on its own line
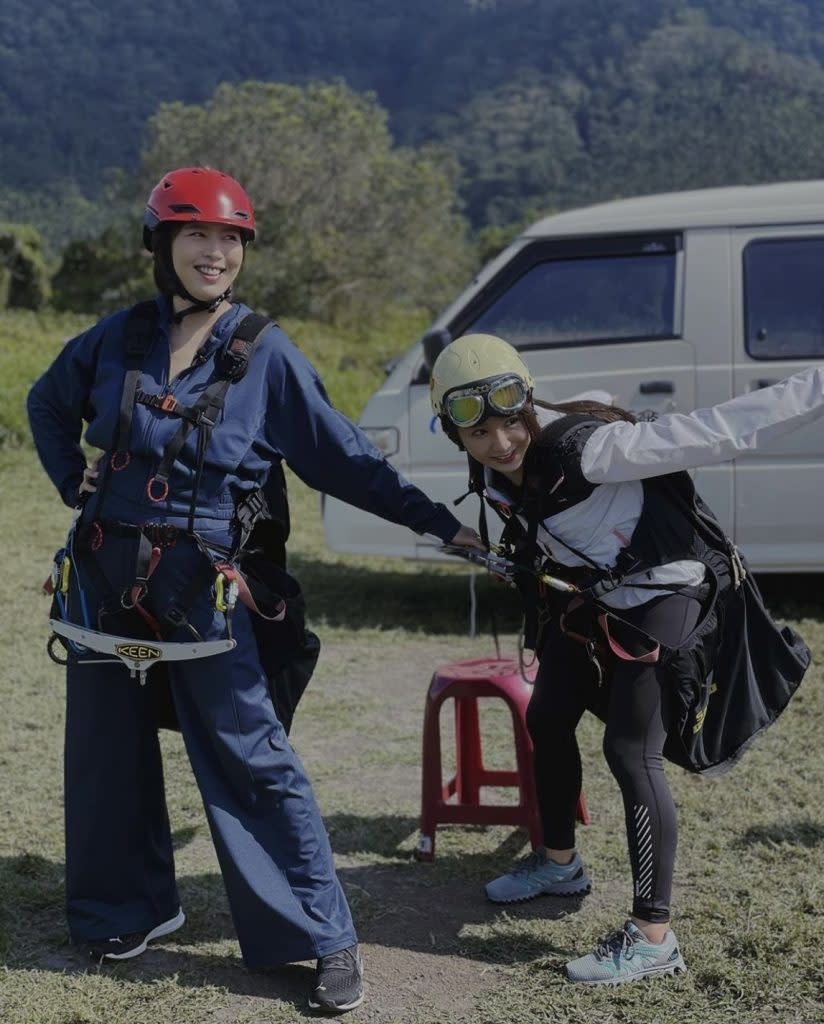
(166, 928)
(332, 1008)
(653, 972)
(578, 887)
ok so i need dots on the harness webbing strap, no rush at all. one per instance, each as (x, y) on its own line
(138, 337)
(205, 413)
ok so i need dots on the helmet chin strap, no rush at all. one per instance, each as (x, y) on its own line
(198, 305)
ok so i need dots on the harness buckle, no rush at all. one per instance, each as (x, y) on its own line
(168, 403)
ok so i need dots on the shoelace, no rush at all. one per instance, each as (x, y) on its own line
(619, 941)
(343, 960)
(533, 862)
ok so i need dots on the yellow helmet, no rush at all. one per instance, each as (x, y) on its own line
(477, 376)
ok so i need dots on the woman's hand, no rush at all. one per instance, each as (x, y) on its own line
(90, 474)
(467, 538)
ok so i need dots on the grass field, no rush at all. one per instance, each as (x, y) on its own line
(750, 873)
(750, 895)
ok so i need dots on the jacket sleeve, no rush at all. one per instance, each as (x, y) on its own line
(624, 451)
(329, 453)
(57, 405)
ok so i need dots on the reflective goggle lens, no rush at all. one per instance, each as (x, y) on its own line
(508, 398)
(502, 398)
(465, 410)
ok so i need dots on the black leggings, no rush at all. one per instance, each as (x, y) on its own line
(633, 741)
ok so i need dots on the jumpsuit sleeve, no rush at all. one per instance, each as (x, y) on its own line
(57, 405)
(617, 452)
(329, 453)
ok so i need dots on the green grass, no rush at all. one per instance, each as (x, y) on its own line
(750, 873)
(749, 893)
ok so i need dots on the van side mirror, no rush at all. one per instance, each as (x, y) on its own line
(433, 343)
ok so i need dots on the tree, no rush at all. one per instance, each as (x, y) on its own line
(347, 223)
(103, 274)
(24, 280)
(519, 148)
(698, 106)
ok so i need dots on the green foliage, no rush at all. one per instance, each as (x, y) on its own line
(699, 106)
(519, 145)
(28, 343)
(65, 75)
(101, 275)
(539, 104)
(348, 224)
(24, 281)
(61, 212)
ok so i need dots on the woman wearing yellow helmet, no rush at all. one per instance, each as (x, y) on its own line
(600, 502)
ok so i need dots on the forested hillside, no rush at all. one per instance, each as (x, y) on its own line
(545, 101)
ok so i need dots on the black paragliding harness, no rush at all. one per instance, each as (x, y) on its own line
(727, 681)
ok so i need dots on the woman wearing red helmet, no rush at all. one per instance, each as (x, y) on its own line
(194, 402)
(182, 205)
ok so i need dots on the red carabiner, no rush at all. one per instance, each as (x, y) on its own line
(116, 463)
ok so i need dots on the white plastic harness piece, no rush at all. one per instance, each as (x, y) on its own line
(139, 655)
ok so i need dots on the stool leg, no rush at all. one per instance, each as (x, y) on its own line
(468, 750)
(431, 781)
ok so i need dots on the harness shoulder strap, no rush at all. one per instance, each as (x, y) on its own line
(232, 364)
(138, 335)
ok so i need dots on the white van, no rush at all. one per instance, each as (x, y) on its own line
(668, 302)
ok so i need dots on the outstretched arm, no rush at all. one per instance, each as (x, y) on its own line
(624, 451)
(331, 454)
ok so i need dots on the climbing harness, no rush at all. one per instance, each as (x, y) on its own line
(147, 541)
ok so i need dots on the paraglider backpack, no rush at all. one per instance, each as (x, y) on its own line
(733, 676)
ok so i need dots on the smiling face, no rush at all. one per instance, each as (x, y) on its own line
(499, 442)
(207, 258)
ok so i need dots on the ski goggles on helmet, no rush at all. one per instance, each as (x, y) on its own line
(503, 396)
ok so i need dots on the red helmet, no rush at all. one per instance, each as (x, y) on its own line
(198, 193)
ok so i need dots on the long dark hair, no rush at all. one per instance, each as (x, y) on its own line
(598, 411)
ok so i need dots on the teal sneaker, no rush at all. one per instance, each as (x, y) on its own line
(538, 876)
(627, 955)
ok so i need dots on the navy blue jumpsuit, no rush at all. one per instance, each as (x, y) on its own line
(286, 901)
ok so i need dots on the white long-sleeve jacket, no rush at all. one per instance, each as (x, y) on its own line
(618, 456)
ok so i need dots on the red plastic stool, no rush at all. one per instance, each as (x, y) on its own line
(465, 682)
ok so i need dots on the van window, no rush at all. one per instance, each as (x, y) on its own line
(589, 297)
(784, 298)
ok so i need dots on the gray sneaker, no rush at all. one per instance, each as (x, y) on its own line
(627, 955)
(536, 875)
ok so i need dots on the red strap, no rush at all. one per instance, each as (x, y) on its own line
(245, 595)
(620, 652)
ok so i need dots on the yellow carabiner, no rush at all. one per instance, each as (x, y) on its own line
(220, 604)
(65, 571)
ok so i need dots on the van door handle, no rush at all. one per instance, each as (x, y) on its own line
(763, 382)
(657, 387)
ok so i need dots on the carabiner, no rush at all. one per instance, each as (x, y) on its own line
(226, 592)
(65, 572)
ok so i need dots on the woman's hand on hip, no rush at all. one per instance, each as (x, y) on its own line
(90, 474)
